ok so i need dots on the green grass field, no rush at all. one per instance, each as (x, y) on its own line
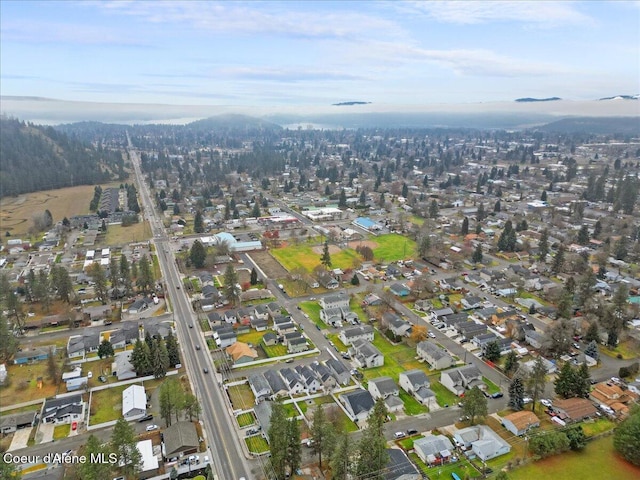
(118, 235)
(393, 247)
(597, 461)
(61, 431)
(303, 256)
(397, 358)
(443, 396)
(411, 405)
(246, 419)
(253, 337)
(313, 310)
(462, 468)
(274, 350)
(106, 405)
(257, 444)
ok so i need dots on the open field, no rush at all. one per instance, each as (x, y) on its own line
(397, 358)
(303, 256)
(16, 213)
(590, 464)
(23, 385)
(119, 235)
(393, 247)
(270, 267)
(628, 348)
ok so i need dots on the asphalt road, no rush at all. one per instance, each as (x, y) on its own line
(228, 459)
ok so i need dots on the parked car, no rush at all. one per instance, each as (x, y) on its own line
(526, 400)
(151, 428)
(102, 379)
(545, 402)
(497, 395)
(399, 435)
(146, 418)
(432, 335)
(412, 431)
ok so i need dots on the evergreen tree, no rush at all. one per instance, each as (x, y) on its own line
(536, 380)
(593, 333)
(597, 229)
(172, 399)
(516, 394)
(477, 254)
(543, 196)
(497, 207)
(342, 202)
(123, 443)
(105, 349)
(145, 279)
(577, 438)
(141, 358)
(474, 404)
(511, 362)
(278, 439)
(507, 240)
(465, 226)
(192, 406)
(197, 254)
(341, 457)
(558, 260)
(172, 350)
(96, 273)
(582, 385)
(294, 447)
(565, 381)
(325, 258)
(626, 438)
(53, 369)
(254, 276)
(159, 358)
(323, 434)
(592, 350)
(543, 245)
(62, 282)
(90, 469)
(583, 235)
(231, 287)
(480, 214)
(492, 352)
(8, 341)
(433, 209)
(198, 224)
(372, 454)
(125, 274)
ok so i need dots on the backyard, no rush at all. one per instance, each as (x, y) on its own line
(397, 358)
(241, 396)
(585, 465)
(106, 405)
(23, 384)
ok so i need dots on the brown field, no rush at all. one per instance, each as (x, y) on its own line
(16, 213)
(333, 249)
(269, 265)
(363, 243)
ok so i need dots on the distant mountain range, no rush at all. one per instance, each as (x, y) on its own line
(529, 99)
(622, 97)
(342, 104)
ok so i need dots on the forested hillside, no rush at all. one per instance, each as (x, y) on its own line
(40, 158)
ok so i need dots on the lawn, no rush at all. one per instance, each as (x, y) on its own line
(393, 247)
(241, 396)
(462, 468)
(257, 444)
(106, 405)
(23, 385)
(597, 426)
(407, 443)
(253, 337)
(313, 310)
(585, 465)
(61, 431)
(274, 350)
(245, 419)
(628, 349)
(411, 405)
(443, 396)
(491, 387)
(397, 358)
(337, 342)
(119, 235)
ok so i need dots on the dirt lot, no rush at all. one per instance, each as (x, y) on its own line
(16, 213)
(333, 249)
(362, 243)
(268, 264)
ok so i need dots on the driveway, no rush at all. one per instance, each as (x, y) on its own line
(20, 439)
(46, 432)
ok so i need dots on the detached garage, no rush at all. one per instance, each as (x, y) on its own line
(134, 402)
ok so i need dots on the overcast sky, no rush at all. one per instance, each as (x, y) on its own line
(318, 53)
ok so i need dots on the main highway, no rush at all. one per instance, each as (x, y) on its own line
(229, 462)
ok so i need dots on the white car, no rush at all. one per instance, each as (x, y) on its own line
(526, 400)
(399, 435)
(545, 402)
(432, 335)
(151, 428)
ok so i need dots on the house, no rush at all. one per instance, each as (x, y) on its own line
(460, 379)
(263, 415)
(121, 366)
(149, 466)
(416, 383)
(274, 309)
(433, 449)
(361, 332)
(399, 467)
(261, 312)
(398, 326)
(339, 371)
(470, 302)
(614, 397)
(240, 353)
(365, 355)
(442, 312)
(338, 300)
(260, 387)
(230, 316)
(134, 402)
(373, 300)
(284, 325)
(436, 357)
(224, 335)
(297, 344)
(533, 338)
(32, 355)
(138, 306)
(209, 291)
(63, 410)
(483, 339)
(309, 378)
(75, 373)
(325, 377)
(519, 423)
(470, 329)
(292, 380)
(399, 289)
(270, 339)
(332, 316)
(327, 281)
(358, 404)
(180, 439)
(574, 409)
(382, 387)
(423, 305)
(17, 421)
(484, 442)
(214, 318)
(259, 324)
(276, 384)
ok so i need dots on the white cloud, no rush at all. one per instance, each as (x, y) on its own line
(540, 13)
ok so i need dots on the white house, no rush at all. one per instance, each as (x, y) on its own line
(134, 402)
